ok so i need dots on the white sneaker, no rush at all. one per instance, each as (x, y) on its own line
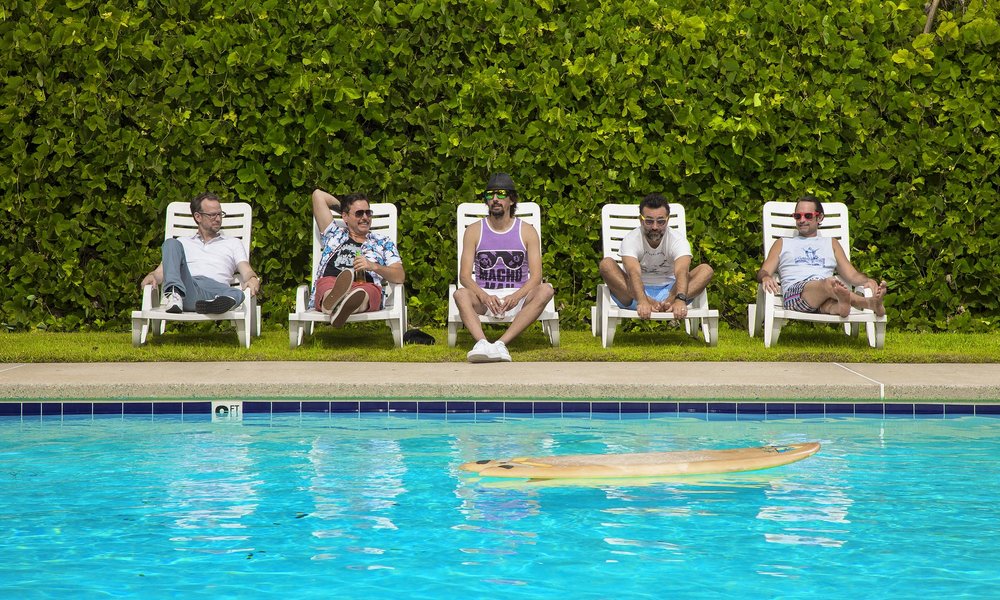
(173, 302)
(501, 350)
(483, 352)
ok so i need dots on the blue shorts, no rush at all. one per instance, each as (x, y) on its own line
(656, 292)
(792, 299)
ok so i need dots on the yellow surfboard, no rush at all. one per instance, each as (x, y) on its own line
(646, 464)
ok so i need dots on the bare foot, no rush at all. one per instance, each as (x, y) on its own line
(843, 298)
(877, 301)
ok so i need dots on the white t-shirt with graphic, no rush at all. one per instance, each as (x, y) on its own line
(656, 264)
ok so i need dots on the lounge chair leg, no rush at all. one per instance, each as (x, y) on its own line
(243, 332)
(452, 334)
(294, 335)
(879, 335)
(397, 332)
(712, 331)
(140, 329)
(608, 336)
(751, 319)
(554, 333)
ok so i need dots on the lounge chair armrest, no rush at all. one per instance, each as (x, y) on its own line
(148, 297)
(301, 298)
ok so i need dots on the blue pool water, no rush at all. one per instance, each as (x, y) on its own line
(373, 506)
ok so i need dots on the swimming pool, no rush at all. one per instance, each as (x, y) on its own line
(373, 506)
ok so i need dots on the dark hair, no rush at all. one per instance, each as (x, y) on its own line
(349, 199)
(197, 200)
(816, 203)
(654, 201)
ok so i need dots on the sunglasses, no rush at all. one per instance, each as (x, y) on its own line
(806, 216)
(499, 194)
(487, 259)
(363, 213)
(217, 215)
(649, 222)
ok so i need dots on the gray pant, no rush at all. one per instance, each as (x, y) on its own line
(194, 288)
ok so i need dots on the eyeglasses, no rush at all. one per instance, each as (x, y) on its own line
(649, 222)
(499, 194)
(217, 215)
(363, 213)
(806, 216)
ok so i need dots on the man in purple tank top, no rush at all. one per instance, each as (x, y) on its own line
(500, 272)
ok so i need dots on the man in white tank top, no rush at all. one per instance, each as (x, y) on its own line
(806, 263)
(492, 272)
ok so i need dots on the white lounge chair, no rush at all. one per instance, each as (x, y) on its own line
(616, 221)
(302, 322)
(469, 213)
(152, 317)
(769, 313)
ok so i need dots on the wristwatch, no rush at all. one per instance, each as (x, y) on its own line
(682, 297)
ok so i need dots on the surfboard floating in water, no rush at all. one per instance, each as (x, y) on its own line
(646, 464)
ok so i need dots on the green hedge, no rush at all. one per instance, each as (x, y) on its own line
(111, 110)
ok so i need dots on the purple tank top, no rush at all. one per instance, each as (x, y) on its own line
(501, 259)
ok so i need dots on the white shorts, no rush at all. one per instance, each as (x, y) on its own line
(503, 293)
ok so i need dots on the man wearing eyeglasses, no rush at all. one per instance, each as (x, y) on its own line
(195, 271)
(806, 264)
(354, 261)
(500, 271)
(656, 273)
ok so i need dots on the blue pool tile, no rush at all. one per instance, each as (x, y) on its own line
(10, 409)
(286, 407)
(316, 407)
(728, 408)
(809, 409)
(489, 406)
(955, 410)
(605, 408)
(137, 408)
(898, 409)
(108, 408)
(461, 406)
(991, 410)
(51, 409)
(204, 408)
(250, 408)
(342, 407)
(576, 407)
(408, 407)
(520, 408)
(779, 409)
(635, 408)
(168, 408)
(78, 408)
(662, 407)
(833, 409)
(373, 406)
(548, 407)
(433, 407)
(869, 410)
(752, 408)
(692, 407)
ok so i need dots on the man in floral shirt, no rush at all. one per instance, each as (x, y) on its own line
(354, 261)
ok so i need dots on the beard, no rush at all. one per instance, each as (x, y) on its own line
(496, 209)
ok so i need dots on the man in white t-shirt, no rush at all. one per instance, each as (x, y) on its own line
(196, 271)
(656, 273)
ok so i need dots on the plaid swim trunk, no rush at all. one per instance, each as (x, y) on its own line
(792, 299)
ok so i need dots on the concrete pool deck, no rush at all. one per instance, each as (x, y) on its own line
(852, 382)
